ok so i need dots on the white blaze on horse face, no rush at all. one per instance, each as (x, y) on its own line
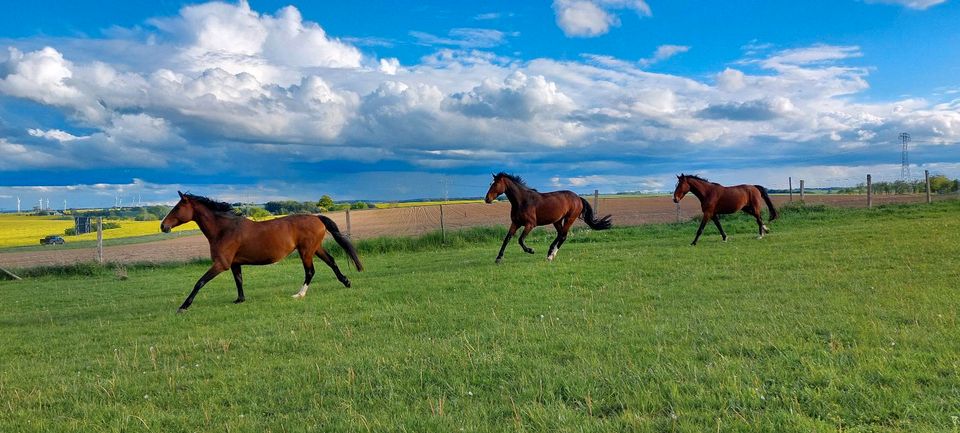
(302, 292)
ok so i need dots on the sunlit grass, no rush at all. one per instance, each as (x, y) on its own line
(839, 320)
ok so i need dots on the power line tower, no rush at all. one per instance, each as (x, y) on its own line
(446, 187)
(905, 156)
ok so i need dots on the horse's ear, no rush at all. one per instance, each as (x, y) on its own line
(180, 193)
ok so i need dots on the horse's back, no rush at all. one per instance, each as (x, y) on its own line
(272, 240)
(554, 206)
(734, 198)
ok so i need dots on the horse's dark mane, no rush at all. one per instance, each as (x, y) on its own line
(219, 207)
(514, 178)
(694, 176)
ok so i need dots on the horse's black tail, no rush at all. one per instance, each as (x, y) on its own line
(588, 217)
(341, 240)
(766, 198)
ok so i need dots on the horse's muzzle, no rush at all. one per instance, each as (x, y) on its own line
(164, 228)
(675, 200)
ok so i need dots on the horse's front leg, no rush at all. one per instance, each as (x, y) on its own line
(506, 240)
(238, 278)
(214, 270)
(526, 231)
(703, 223)
(716, 220)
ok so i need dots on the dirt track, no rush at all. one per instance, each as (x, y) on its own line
(413, 221)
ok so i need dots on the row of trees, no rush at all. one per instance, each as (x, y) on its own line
(154, 213)
(939, 184)
(139, 213)
(325, 204)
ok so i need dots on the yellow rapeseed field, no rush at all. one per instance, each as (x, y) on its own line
(21, 230)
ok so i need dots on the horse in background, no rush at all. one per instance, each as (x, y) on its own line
(716, 199)
(530, 208)
(236, 241)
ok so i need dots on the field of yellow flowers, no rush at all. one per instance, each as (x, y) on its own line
(23, 230)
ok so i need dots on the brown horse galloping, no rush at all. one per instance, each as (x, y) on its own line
(236, 241)
(716, 199)
(529, 208)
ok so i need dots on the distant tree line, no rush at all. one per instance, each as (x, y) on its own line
(140, 213)
(939, 184)
(325, 204)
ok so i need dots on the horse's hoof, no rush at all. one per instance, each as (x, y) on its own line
(239, 300)
(346, 283)
(724, 239)
(529, 251)
(298, 296)
(759, 237)
(498, 260)
(181, 310)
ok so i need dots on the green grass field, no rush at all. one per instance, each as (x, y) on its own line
(840, 320)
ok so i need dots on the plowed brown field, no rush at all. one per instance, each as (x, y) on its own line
(411, 221)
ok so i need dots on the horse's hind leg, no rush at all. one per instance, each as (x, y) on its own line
(716, 220)
(308, 272)
(238, 278)
(526, 231)
(328, 259)
(562, 235)
(761, 228)
(552, 252)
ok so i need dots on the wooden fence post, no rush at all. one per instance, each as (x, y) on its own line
(926, 179)
(801, 189)
(10, 274)
(869, 192)
(443, 233)
(596, 202)
(100, 240)
(349, 231)
(790, 186)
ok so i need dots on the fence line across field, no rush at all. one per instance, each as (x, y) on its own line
(626, 211)
(449, 217)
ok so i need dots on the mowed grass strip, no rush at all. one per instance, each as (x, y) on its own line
(839, 320)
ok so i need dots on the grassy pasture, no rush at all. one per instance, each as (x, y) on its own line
(26, 230)
(841, 320)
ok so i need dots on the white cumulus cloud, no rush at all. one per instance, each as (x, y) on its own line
(590, 18)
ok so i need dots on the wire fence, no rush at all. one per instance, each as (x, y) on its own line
(627, 210)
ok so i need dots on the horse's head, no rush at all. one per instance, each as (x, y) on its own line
(683, 187)
(499, 186)
(181, 213)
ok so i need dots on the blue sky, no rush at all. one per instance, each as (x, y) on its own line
(263, 100)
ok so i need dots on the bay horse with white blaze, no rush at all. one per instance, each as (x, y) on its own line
(529, 208)
(716, 199)
(236, 241)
